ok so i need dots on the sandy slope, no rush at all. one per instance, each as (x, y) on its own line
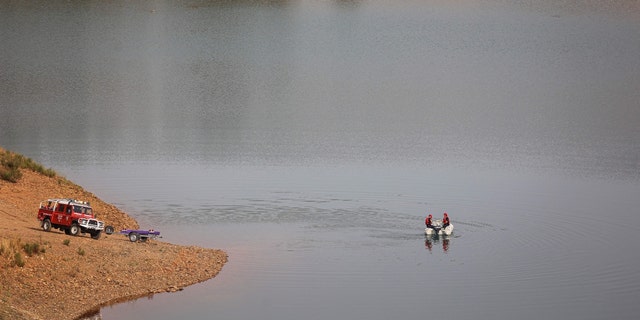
(70, 279)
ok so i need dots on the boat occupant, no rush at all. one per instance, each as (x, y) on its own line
(427, 222)
(445, 221)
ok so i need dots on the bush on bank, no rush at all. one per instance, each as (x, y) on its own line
(11, 163)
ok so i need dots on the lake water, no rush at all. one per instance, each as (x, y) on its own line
(309, 139)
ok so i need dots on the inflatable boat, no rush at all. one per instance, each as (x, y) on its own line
(438, 229)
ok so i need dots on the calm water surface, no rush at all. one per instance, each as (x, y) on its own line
(309, 139)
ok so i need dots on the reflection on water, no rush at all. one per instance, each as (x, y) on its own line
(313, 84)
(308, 139)
(431, 240)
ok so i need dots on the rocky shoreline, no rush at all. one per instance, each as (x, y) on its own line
(51, 275)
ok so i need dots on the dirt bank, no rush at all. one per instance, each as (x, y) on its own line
(50, 275)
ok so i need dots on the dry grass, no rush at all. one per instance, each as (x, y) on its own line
(11, 163)
(12, 249)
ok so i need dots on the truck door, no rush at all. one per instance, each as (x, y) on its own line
(68, 212)
(58, 213)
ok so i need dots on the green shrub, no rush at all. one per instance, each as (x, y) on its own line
(9, 174)
(66, 242)
(81, 251)
(11, 163)
(31, 248)
(17, 260)
(49, 173)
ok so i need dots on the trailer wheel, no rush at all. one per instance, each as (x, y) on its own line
(74, 230)
(109, 229)
(46, 225)
(134, 236)
(96, 234)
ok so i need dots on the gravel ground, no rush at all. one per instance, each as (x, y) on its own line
(68, 276)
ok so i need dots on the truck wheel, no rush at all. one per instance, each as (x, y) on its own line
(134, 236)
(74, 230)
(109, 230)
(96, 234)
(46, 225)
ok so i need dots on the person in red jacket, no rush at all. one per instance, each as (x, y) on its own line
(428, 222)
(445, 221)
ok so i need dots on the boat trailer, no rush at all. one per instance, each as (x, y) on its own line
(140, 235)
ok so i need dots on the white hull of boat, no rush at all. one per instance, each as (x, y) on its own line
(438, 229)
(442, 232)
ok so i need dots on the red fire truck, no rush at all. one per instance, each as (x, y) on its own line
(71, 216)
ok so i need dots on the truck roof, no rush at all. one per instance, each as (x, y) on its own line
(71, 201)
